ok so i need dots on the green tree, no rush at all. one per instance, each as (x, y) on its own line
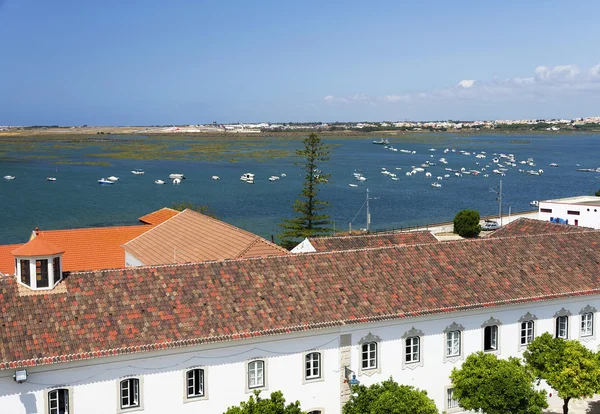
(188, 205)
(389, 398)
(273, 405)
(496, 386)
(309, 220)
(466, 223)
(598, 193)
(567, 366)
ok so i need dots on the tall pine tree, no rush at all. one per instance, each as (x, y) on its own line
(310, 220)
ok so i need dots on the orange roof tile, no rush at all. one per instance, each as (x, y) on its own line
(193, 237)
(159, 216)
(95, 248)
(7, 260)
(38, 246)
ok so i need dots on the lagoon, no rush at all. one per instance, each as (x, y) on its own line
(76, 199)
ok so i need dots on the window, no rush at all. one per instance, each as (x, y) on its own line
(130, 393)
(369, 355)
(450, 401)
(256, 374)
(25, 272)
(41, 273)
(490, 338)
(562, 327)
(312, 365)
(315, 412)
(546, 210)
(56, 269)
(452, 343)
(412, 349)
(58, 401)
(526, 332)
(587, 324)
(195, 383)
(573, 212)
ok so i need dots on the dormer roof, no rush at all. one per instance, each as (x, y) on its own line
(37, 246)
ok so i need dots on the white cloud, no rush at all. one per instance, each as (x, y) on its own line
(466, 83)
(397, 98)
(330, 99)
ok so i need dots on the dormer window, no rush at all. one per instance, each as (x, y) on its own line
(38, 264)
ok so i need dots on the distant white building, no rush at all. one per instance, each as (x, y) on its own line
(576, 211)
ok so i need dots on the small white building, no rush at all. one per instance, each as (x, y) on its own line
(575, 211)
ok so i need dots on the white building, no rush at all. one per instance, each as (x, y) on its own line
(201, 337)
(576, 211)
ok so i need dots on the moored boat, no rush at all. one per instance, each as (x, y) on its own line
(159, 182)
(50, 179)
(104, 181)
(137, 172)
(9, 177)
(180, 176)
(113, 178)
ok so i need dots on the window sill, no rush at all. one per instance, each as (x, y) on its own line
(453, 359)
(195, 399)
(130, 409)
(311, 380)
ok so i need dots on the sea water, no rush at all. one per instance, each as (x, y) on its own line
(77, 200)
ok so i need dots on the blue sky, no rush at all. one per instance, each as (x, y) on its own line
(145, 62)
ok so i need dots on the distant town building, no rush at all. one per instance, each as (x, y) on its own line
(576, 211)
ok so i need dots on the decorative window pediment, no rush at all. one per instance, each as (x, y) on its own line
(562, 312)
(369, 338)
(588, 309)
(454, 327)
(528, 317)
(412, 332)
(491, 322)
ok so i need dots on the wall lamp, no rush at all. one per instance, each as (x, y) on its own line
(20, 376)
(353, 380)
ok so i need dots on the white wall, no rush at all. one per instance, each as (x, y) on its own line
(589, 215)
(131, 260)
(95, 382)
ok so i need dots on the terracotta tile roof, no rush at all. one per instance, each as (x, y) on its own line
(332, 244)
(93, 248)
(125, 311)
(525, 226)
(7, 260)
(193, 237)
(158, 216)
(38, 246)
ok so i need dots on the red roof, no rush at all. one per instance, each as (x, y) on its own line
(331, 244)
(524, 226)
(38, 246)
(125, 311)
(158, 216)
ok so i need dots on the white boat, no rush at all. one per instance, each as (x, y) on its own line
(283, 174)
(361, 178)
(427, 174)
(177, 181)
(104, 181)
(534, 203)
(250, 181)
(247, 176)
(553, 164)
(436, 184)
(395, 178)
(9, 177)
(353, 185)
(137, 172)
(159, 182)
(173, 176)
(381, 142)
(439, 178)
(431, 149)
(446, 175)
(273, 178)
(113, 178)
(215, 177)
(50, 179)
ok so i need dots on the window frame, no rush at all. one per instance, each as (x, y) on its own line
(305, 361)
(412, 350)
(454, 327)
(140, 389)
(411, 335)
(371, 360)
(562, 314)
(192, 398)
(588, 310)
(264, 386)
(47, 401)
(448, 391)
(42, 270)
(371, 370)
(491, 324)
(527, 335)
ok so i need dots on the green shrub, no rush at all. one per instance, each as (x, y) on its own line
(466, 223)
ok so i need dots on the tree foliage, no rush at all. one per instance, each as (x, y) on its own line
(389, 398)
(273, 405)
(466, 223)
(188, 205)
(496, 386)
(598, 193)
(567, 366)
(309, 218)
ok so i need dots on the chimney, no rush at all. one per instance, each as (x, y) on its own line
(37, 231)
